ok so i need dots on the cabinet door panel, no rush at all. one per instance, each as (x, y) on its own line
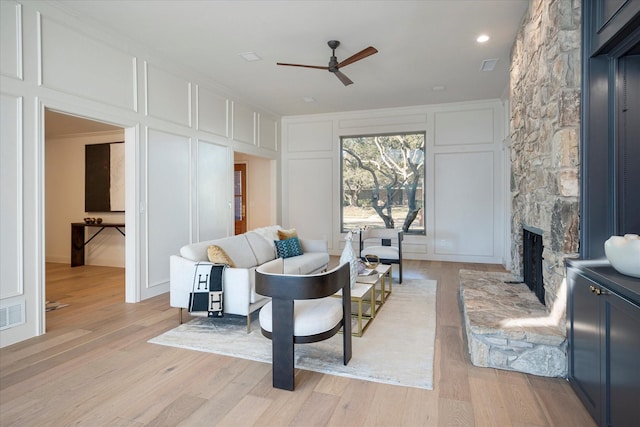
(584, 350)
(611, 18)
(622, 336)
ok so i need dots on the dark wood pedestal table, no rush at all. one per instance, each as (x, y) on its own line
(77, 239)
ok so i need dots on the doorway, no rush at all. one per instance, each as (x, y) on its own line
(258, 191)
(66, 137)
(240, 197)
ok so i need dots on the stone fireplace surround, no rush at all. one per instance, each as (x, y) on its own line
(506, 328)
(507, 323)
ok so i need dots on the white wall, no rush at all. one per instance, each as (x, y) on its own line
(64, 202)
(464, 202)
(181, 133)
(180, 136)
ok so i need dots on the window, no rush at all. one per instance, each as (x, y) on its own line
(383, 182)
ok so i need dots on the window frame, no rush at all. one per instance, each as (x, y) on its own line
(423, 191)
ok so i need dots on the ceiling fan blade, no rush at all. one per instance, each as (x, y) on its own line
(305, 66)
(358, 56)
(344, 79)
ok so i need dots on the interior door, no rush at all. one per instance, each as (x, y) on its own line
(240, 197)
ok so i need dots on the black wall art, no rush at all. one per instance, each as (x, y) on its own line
(104, 177)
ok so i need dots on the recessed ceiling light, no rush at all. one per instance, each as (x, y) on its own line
(250, 56)
(488, 64)
(482, 38)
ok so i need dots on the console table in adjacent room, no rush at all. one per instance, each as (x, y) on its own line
(77, 239)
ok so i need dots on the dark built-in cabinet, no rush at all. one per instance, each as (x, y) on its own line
(608, 20)
(603, 331)
(603, 314)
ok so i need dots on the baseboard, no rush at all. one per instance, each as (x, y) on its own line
(58, 259)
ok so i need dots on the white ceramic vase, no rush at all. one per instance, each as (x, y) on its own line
(623, 252)
(348, 255)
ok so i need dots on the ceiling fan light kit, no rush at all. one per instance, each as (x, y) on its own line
(334, 66)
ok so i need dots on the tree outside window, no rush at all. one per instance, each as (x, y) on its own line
(383, 182)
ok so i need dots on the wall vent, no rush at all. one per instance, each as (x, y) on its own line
(12, 315)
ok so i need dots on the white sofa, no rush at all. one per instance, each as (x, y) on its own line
(247, 251)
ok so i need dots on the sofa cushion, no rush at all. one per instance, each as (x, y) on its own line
(287, 234)
(313, 245)
(236, 286)
(217, 255)
(310, 316)
(288, 248)
(382, 252)
(238, 249)
(270, 233)
(196, 251)
(263, 249)
(310, 262)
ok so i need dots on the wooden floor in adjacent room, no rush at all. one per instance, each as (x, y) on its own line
(94, 367)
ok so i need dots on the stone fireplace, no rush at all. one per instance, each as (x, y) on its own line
(544, 137)
(508, 326)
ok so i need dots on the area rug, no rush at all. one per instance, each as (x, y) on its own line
(397, 348)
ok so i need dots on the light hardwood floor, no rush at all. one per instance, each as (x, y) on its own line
(94, 367)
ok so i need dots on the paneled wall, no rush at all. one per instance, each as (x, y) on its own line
(464, 185)
(181, 133)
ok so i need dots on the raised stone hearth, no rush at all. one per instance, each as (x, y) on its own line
(508, 328)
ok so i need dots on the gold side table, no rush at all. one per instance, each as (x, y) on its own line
(385, 272)
(358, 294)
(379, 281)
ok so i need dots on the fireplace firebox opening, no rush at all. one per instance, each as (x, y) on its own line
(532, 261)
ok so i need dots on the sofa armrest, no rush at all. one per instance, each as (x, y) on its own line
(181, 273)
(237, 290)
(309, 245)
(238, 284)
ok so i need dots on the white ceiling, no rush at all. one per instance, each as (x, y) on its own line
(421, 44)
(59, 124)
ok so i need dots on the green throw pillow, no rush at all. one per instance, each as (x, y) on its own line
(288, 248)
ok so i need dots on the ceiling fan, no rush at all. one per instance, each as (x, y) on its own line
(334, 66)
